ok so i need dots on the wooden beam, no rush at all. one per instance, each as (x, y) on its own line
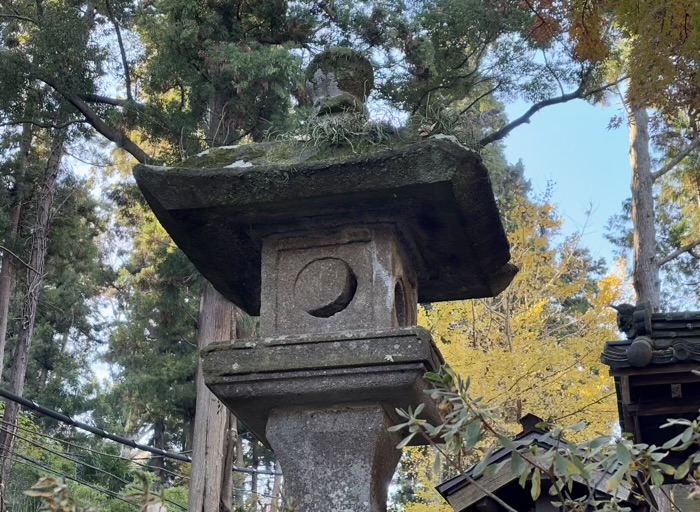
(668, 407)
(655, 370)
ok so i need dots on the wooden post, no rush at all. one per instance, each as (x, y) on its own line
(210, 471)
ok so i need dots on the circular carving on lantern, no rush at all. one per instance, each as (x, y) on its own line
(325, 287)
(640, 351)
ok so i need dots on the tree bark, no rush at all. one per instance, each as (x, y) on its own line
(227, 470)
(29, 307)
(646, 269)
(254, 477)
(8, 272)
(276, 489)
(208, 480)
(239, 495)
(159, 442)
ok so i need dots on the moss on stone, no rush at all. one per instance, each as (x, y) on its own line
(344, 102)
(289, 152)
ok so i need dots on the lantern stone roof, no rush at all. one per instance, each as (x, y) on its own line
(219, 205)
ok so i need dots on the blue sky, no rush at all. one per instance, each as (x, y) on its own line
(570, 146)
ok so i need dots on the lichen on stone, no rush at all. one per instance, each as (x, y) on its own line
(351, 71)
(239, 164)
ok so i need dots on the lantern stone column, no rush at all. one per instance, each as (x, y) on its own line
(337, 458)
(334, 248)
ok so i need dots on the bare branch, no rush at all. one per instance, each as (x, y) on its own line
(579, 93)
(536, 13)
(24, 263)
(117, 136)
(18, 17)
(122, 50)
(141, 108)
(98, 98)
(582, 409)
(688, 248)
(452, 79)
(551, 71)
(678, 159)
(479, 52)
(48, 126)
(479, 98)
(525, 118)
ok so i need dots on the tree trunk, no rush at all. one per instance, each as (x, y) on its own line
(34, 282)
(276, 489)
(227, 470)
(9, 266)
(239, 495)
(208, 480)
(159, 442)
(646, 268)
(254, 477)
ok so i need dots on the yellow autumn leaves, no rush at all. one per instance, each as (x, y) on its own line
(536, 347)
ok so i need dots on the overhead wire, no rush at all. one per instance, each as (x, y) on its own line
(78, 461)
(64, 456)
(158, 452)
(18, 457)
(89, 428)
(96, 452)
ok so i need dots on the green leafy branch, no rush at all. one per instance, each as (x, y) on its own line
(55, 495)
(619, 465)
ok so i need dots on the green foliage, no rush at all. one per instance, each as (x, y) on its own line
(202, 55)
(663, 50)
(152, 348)
(66, 330)
(56, 495)
(207, 72)
(613, 463)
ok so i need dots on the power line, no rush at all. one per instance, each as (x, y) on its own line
(65, 456)
(34, 462)
(96, 452)
(77, 461)
(158, 452)
(89, 428)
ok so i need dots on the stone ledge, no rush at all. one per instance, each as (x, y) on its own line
(320, 352)
(254, 378)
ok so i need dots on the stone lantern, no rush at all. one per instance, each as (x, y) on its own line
(333, 246)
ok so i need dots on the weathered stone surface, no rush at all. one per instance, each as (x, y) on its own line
(385, 367)
(353, 277)
(339, 72)
(353, 348)
(339, 284)
(653, 371)
(436, 193)
(338, 459)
